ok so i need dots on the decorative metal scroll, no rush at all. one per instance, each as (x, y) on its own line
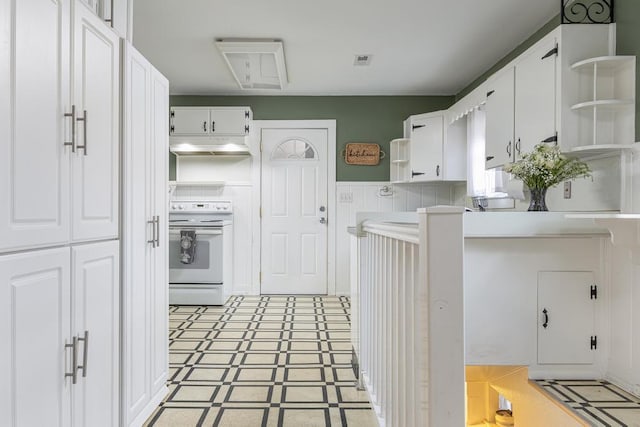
(587, 11)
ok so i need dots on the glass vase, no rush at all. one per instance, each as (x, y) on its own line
(538, 202)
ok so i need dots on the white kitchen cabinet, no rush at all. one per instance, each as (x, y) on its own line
(55, 300)
(95, 297)
(60, 148)
(437, 150)
(34, 329)
(399, 158)
(34, 162)
(95, 165)
(499, 145)
(115, 13)
(210, 121)
(145, 274)
(566, 317)
(530, 100)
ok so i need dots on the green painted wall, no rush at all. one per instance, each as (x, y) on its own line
(628, 41)
(358, 119)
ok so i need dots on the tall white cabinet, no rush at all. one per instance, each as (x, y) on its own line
(59, 253)
(145, 254)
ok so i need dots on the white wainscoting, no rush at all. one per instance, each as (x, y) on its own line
(240, 195)
(352, 197)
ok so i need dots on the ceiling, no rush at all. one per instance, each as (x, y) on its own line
(418, 47)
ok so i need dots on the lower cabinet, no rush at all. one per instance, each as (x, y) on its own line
(60, 332)
(566, 317)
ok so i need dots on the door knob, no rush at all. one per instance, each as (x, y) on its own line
(323, 220)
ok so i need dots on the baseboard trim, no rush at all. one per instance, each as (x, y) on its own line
(150, 407)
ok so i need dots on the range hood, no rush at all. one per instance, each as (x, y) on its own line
(198, 146)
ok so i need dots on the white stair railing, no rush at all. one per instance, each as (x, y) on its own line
(410, 318)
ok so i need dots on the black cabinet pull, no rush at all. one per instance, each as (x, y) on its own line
(518, 146)
(416, 173)
(552, 52)
(553, 138)
(491, 92)
(546, 318)
(213, 126)
(509, 148)
(438, 170)
(204, 126)
(488, 158)
(414, 127)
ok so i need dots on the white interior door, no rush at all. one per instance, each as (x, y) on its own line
(294, 211)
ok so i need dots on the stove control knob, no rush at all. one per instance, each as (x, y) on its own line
(180, 207)
(225, 208)
(218, 207)
(174, 207)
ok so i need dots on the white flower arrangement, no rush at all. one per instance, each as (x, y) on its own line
(546, 167)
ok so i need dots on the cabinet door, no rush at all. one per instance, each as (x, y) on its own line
(95, 165)
(566, 317)
(159, 272)
(427, 135)
(535, 101)
(34, 163)
(138, 230)
(229, 121)
(95, 302)
(34, 290)
(499, 146)
(189, 121)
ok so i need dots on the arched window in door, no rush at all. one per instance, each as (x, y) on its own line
(294, 149)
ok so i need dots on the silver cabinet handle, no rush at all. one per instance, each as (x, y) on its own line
(157, 221)
(153, 232)
(518, 146)
(72, 143)
(509, 148)
(74, 360)
(85, 353)
(84, 132)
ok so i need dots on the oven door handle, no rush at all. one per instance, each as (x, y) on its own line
(198, 232)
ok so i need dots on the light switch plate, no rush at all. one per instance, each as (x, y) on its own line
(346, 198)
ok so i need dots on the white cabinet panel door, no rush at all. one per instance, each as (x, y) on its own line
(427, 137)
(159, 272)
(535, 101)
(500, 120)
(294, 211)
(566, 317)
(34, 163)
(35, 326)
(95, 165)
(96, 298)
(229, 121)
(189, 121)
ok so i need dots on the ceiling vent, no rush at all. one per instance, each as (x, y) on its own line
(362, 60)
(255, 64)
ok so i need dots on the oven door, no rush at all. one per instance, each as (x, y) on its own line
(207, 263)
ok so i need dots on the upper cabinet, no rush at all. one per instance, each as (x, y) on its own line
(210, 121)
(436, 150)
(60, 103)
(115, 13)
(532, 100)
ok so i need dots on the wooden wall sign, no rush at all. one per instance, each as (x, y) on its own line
(361, 153)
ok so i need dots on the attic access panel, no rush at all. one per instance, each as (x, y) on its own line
(255, 64)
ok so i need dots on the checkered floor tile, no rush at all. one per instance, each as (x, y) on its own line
(269, 361)
(599, 402)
